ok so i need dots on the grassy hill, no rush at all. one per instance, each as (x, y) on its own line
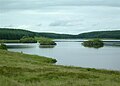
(18, 69)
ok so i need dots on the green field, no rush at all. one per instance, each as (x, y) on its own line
(18, 69)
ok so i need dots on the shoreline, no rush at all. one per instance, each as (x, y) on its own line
(69, 65)
(55, 61)
(63, 40)
(19, 69)
(25, 46)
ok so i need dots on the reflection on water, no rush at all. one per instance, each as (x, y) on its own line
(47, 46)
(74, 54)
(95, 47)
(114, 44)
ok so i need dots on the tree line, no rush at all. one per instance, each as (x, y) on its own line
(17, 34)
(101, 34)
(14, 34)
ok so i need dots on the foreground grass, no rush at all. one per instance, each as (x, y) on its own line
(18, 69)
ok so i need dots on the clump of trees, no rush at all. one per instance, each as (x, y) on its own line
(28, 40)
(95, 43)
(46, 41)
(3, 46)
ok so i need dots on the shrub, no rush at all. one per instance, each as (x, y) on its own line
(46, 41)
(28, 40)
(3, 46)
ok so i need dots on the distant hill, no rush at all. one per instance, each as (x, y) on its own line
(101, 34)
(16, 34)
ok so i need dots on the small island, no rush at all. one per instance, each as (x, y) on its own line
(26, 39)
(46, 41)
(95, 43)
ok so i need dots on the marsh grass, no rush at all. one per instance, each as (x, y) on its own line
(18, 69)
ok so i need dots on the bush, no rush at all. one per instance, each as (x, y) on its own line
(3, 46)
(95, 43)
(28, 40)
(46, 41)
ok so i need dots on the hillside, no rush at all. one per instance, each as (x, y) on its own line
(16, 34)
(101, 34)
(18, 69)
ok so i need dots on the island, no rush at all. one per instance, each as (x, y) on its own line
(95, 43)
(46, 41)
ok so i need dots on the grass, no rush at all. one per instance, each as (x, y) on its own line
(18, 69)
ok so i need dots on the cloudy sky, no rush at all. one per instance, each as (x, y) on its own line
(60, 16)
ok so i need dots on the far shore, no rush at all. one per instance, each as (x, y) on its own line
(63, 40)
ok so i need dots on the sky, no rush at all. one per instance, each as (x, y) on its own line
(60, 16)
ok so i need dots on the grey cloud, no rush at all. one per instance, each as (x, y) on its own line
(9, 25)
(65, 23)
(58, 23)
(6, 5)
(39, 24)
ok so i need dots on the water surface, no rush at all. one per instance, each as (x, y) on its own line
(74, 54)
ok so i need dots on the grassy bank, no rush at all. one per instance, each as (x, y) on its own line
(22, 40)
(9, 41)
(18, 69)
